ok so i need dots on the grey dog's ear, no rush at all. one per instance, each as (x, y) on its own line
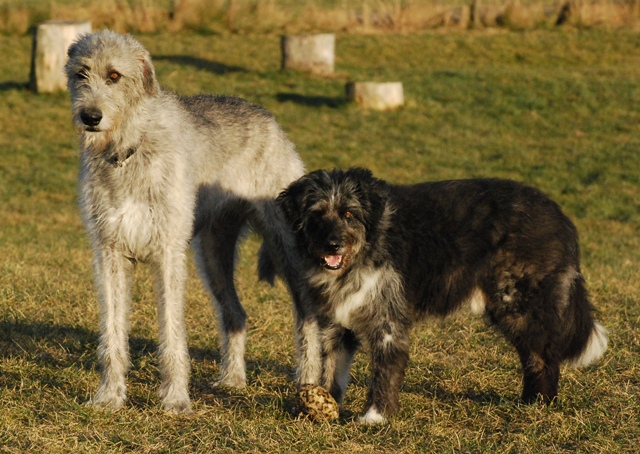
(149, 81)
(72, 50)
(78, 44)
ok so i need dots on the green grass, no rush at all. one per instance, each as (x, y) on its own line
(556, 109)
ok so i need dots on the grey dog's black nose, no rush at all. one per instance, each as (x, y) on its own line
(91, 117)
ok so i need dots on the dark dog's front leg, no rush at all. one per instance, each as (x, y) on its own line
(279, 255)
(338, 347)
(389, 358)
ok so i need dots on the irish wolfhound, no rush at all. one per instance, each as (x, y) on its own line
(156, 172)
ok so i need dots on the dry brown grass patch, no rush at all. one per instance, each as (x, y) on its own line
(285, 16)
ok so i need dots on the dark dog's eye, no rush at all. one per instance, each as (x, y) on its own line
(347, 214)
(114, 76)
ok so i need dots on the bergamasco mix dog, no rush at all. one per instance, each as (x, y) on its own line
(378, 257)
(159, 172)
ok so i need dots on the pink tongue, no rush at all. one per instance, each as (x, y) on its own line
(333, 260)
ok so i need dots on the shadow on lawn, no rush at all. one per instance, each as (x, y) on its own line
(56, 350)
(200, 63)
(311, 101)
(10, 85)
(431, 390)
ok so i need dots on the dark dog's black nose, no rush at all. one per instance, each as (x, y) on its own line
(91, 117)
(333, 246)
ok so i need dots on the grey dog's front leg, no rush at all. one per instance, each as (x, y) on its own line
(171, 274)
(114, 276)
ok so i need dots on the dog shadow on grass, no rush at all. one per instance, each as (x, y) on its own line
(10, 85)
(484, 397)
(59, 357)
(312, 101)
(200, 63)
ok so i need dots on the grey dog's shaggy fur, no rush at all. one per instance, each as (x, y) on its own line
(378, 257)
(156, 172)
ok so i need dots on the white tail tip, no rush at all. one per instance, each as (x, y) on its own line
(595, 347)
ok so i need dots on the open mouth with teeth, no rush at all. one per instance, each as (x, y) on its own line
(333, 261)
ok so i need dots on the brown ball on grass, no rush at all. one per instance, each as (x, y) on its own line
(317, 403)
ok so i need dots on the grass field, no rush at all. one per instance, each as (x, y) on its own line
(556, 109)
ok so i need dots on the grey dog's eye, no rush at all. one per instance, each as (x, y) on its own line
(114, 76)
(81, 75)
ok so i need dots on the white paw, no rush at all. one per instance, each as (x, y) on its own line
(372, 416)
(177, 406)
(232, 375)
(109, 398)
(231, 381)
(175, 399)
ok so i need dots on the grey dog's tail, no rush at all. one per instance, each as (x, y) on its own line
(278, 255)
(267, 270)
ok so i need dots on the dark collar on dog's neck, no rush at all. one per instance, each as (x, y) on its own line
(117, 161)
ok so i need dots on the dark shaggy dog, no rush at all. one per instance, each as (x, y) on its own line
(379, 257)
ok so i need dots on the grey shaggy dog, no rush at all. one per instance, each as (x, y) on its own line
(378, 257)
(159, 172)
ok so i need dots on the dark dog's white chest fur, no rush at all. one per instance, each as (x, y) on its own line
(351, 301)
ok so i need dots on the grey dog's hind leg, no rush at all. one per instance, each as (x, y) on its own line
(215, 247)
(278, 255)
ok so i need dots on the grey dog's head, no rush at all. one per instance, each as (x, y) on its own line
(334, 215)
(108, 74)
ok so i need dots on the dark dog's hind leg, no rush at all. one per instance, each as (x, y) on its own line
(527, 312)
(540, 377)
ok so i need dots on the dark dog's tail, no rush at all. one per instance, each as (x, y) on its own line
(587, 338)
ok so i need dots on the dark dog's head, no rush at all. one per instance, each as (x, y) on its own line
(334, 215)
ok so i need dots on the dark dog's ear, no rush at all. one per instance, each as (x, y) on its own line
(294, 200)
(372, 193)
(291, 202)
